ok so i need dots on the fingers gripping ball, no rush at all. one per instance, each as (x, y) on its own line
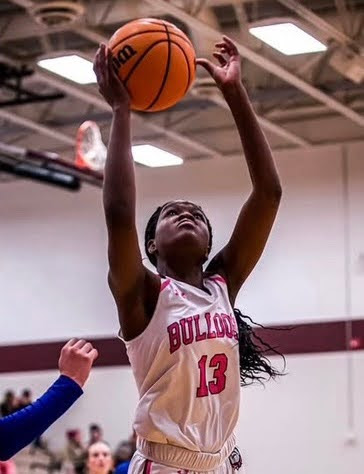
(156, 62)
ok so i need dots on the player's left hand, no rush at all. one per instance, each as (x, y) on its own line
(228, 72)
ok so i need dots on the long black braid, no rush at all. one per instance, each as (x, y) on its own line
(254, 364)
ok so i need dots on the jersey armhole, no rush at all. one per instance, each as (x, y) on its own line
(218, 278)
(164, 284)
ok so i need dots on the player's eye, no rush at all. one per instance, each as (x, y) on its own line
(171, 212)
(198, 215)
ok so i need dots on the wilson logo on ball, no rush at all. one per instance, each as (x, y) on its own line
(123, 55)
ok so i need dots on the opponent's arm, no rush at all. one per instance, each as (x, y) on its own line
(238, 258)
(21, 428)
(127, 275)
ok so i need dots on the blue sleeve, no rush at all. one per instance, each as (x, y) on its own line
(21, 428)
(122, 468)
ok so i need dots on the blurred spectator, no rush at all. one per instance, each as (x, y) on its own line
(9, 404)
(95, 434)
(75, 451)
(123, 453)
(99, 459)
(25, 399)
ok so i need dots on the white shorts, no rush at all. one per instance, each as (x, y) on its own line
(141, 465)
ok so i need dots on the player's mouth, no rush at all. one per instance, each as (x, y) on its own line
(186, 223)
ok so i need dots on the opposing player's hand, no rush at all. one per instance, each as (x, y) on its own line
(76, 359)
(110, 85)
(228, 72)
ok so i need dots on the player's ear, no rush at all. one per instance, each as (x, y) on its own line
(152, 247)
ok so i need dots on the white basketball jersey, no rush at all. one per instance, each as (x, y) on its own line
(186, 366)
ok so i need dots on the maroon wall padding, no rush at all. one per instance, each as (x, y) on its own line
(299, 339)
(313, 337)
(44, 355)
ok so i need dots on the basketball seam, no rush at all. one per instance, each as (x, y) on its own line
(165, 73)
(141, 59)
(143, 56)
(150, 31)
(188, 66)
(125, 81)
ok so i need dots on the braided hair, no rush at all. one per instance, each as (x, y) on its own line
(254, 364)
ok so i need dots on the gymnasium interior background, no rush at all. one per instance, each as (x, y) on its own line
(53, 242)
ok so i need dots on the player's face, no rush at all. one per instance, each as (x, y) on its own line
(99, 459)
(182, 227)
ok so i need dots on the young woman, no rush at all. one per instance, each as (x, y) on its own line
(185, 344)
(99, 458)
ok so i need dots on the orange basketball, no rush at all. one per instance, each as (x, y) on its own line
(156, 62)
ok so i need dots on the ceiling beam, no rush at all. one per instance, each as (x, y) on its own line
(344, 14)
(92, 99)
(264, 63)
(97, 101)
(23, 3)
(37, 127)
(24, 26)
(70, 141)
(276, 129)
(314, 147)
(329, 30)
(282, 132)
(100, 103)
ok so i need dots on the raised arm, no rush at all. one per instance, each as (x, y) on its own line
(21, 428)
(238, 258)
(128, 277)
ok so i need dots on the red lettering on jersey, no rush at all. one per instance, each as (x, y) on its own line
(199, 336)
(227, 324)
(220, 328)
(210, 334)
(174, 337)
(190, 329)
(235, 327)
(184, 323)
(220, 361)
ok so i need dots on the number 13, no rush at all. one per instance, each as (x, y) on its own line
(220, 361)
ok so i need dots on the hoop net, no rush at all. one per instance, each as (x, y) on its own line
(90, 150)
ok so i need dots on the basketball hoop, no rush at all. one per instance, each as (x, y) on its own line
(90, 150)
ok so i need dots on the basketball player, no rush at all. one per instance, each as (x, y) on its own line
(21, 428)
(183, 340)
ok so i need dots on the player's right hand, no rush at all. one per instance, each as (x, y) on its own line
(76, 359)
(110, 85)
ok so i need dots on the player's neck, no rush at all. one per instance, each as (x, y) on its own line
(191, 274)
